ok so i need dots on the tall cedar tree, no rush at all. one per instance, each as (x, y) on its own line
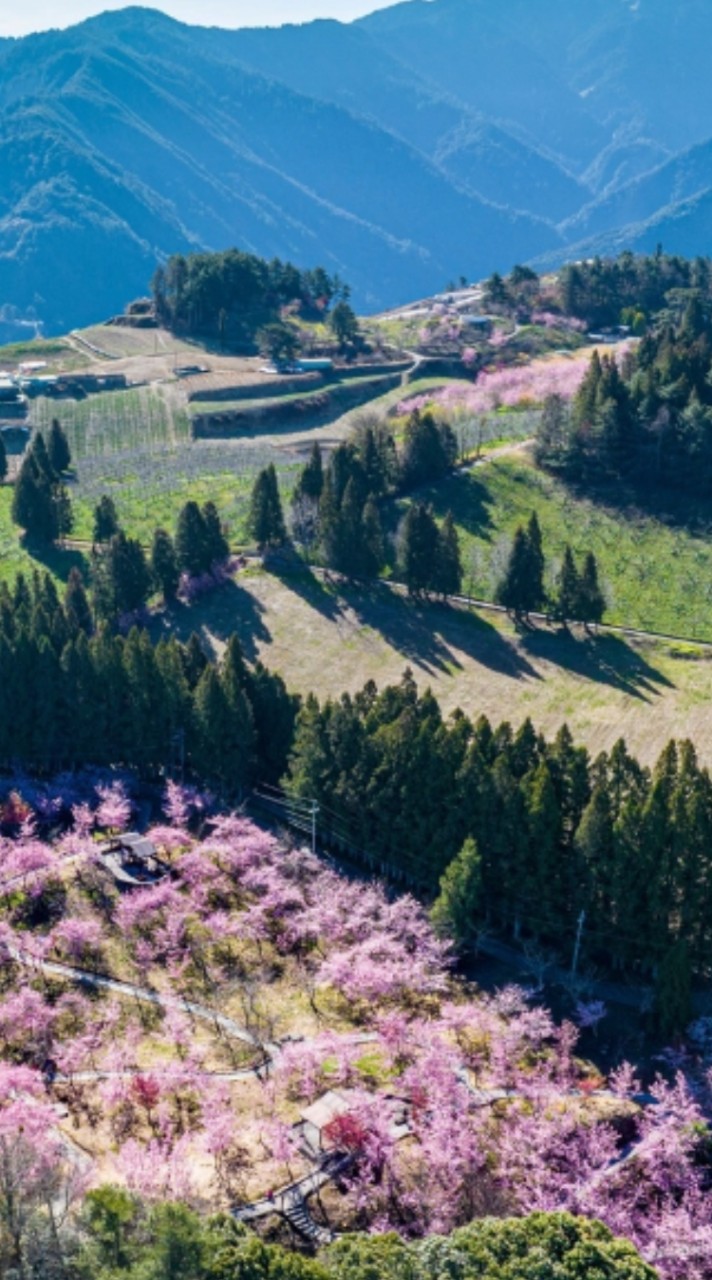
(37, 504)
(447, 568)
(568, 594)
(311, 478)
(593, 603)
(455, 910)
(76, 604)
(106, 520)
(429, 450)
(40, 456)
(514, 591)
(164, 565)
(537, 594)
(418, 548)
(191, 540)
(58, 448)
(122, 577)
(216, 546)
(266, 519)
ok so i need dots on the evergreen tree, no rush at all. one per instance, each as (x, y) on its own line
(106, 520)
(40, 457)
(63, 514)
(454, 911)
(673, 991)
(223, 747)
(194, 660)
(568, 595)
(164, 565)
(371, 540)
(124, 577)
(35, 505)
(330, 524)
(536, 592)
(191, 540)
(418, 543)
(447, 569)
(429, 450)
(58, 448)
(216, 547)
(592, 601)
(311, 479)
(344, 324)
(3, 458)
(76, 604)
(266, 520)
(512, 591)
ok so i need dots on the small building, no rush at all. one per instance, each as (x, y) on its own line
(317, 1120)
(483, 324)
(132, 861)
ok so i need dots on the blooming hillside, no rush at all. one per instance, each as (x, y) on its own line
(175, 1038)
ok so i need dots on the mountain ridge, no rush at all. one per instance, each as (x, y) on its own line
(417, 144)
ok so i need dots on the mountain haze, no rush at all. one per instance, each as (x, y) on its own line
(429, 140)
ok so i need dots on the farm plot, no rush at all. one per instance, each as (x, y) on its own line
(116, 421)
(657, 573)
(149, 487)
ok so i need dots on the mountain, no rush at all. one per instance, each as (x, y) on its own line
(150, 137)
(429, 140)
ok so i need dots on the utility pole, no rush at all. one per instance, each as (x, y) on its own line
(577, 945)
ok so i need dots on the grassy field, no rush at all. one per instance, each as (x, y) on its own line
(330, 639)
(657, 573)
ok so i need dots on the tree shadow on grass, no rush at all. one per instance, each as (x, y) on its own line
(604, 659)
(459, 492)
(647, 499)
(432, 635)
(59, 560)
(321, 594)
(224, 612)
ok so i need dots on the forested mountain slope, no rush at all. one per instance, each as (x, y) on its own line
(426, 141)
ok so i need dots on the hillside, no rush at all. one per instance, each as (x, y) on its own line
(333, 639)
(425, 142)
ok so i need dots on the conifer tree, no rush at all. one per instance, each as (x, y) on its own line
(64, 516)
(568, 595)
(123, 577)
(194, 660)
(418, 540)
(190, 543)
(164, 565)
(3, 458)
(673, 992)
(58, 448)
(371, 540)
(216, 547)
(38, 505)
(454, 911)
(106, 520)
(593, 604)
(536, 592)
(512, 591)
(311, 479)
(76, 604)
(39, 455)
(266, 520)
(447, 569)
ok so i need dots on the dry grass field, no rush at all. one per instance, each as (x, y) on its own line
(330, 639)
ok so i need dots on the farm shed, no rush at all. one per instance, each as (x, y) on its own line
(133, 862)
